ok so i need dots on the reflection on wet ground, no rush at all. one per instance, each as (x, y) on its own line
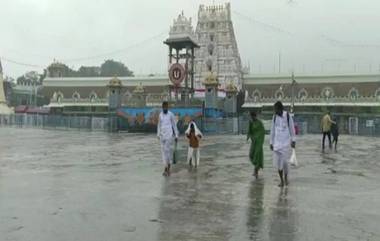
(57, 185)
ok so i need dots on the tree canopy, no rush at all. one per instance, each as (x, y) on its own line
(88, 71)
(109, 68)
(112, 68)
(29, 78)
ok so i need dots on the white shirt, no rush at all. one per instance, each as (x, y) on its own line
(166, 127)
(282, 134)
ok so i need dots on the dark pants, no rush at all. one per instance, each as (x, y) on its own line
(335, 140)
(328, 134)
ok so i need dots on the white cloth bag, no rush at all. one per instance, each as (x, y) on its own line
(293, 159)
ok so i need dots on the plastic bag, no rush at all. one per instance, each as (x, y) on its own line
(293, 159)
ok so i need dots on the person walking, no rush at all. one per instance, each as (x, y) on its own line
(256, 133)
(326, 123)
(335, 133)
(167, 132)
(194, 135)
(282, 140)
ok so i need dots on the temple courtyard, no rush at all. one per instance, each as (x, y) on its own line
(96, 186)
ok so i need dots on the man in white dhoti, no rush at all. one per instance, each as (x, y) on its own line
(167, 132)
(282, 140)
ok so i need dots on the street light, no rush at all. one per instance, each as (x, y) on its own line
(293, 97)
(35, 95)
(31, 95)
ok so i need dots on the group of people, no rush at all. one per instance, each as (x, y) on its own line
(167, 133)
(282, 139)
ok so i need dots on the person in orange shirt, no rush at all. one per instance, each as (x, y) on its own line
(194, 135)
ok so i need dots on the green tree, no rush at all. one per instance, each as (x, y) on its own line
(57, 69)
(43, 76)
(112, 68)
(88, 71)
(29, 78)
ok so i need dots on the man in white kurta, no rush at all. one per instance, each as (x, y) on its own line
(167, 132)
(282, 140)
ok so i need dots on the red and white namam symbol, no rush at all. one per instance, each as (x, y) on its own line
(177, 74)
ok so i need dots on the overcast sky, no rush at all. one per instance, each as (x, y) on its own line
(312, 36)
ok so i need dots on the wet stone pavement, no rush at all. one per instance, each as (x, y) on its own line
(66, 186)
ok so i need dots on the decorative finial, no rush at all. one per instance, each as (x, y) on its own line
(115, 82)
(139, 89)
(231, 87)
(211, 79)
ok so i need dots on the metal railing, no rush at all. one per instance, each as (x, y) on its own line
(306, 123)
(310, 123)
(317, 99)
(80, 101)
(86, 123)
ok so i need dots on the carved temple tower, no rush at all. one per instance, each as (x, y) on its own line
(218, 52)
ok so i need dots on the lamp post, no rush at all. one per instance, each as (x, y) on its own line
(293, 97)
(31, 95)
(35, 95)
